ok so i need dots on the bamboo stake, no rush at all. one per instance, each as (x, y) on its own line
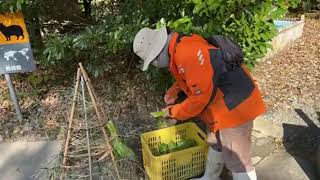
(88, 79)
(71, 117)
(94, 104)
(83, 155)
(93, 99)
(70, 121)
(107, 153)
(94, 94)
(90, 84)
(87, 130)
(92, 148)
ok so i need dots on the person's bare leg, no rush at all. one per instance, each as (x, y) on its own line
(236, 148)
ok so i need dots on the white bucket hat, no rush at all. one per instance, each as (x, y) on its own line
(148, 43)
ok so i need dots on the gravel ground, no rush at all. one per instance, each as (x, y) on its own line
(291, 79)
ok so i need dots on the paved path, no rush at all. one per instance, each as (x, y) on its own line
(283, 166)
(26, 160)
(283, 152)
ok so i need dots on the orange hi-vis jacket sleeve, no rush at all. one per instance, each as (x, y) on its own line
(196, 73)
(173, 90)
(223, 99)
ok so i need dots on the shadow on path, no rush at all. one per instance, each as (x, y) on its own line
(301, 142)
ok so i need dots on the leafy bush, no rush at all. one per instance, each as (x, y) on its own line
(96, 46)
(108, 34)
(310, 5)
(247, 22)
(57, 51)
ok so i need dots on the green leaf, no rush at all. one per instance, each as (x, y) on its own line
(269, 45)
(248, 30)
(263, 49)
(158, 114)
(213, 6)
(18, 4)
(112, 129)
(278, 12)
(197, 1)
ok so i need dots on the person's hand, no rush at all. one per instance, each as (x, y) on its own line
(168, 116)
(172, 122)
(169, 100)
(166, 113)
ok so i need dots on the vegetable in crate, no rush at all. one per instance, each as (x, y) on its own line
(184, 144)
(163, 149)
(173, 147)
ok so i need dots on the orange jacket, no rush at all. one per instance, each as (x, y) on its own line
(222, 99)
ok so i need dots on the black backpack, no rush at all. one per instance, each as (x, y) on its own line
(231, 52)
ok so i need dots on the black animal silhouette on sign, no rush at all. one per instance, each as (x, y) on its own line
(13, 30)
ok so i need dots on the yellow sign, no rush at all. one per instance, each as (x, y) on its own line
(15, 50)
(13, 29)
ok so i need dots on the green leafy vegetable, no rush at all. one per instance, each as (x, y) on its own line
(158, 114)
(120, 149)
(175, 146)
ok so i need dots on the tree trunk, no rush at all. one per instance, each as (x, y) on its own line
(37, 32)
(87, 7)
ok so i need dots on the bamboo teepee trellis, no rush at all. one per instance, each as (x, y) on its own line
(87, 151)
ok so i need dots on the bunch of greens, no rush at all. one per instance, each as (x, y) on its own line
(175, 146)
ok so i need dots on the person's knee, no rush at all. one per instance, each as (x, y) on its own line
(237, 160)
(238, 166)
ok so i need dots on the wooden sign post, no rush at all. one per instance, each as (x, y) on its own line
(15, 51)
